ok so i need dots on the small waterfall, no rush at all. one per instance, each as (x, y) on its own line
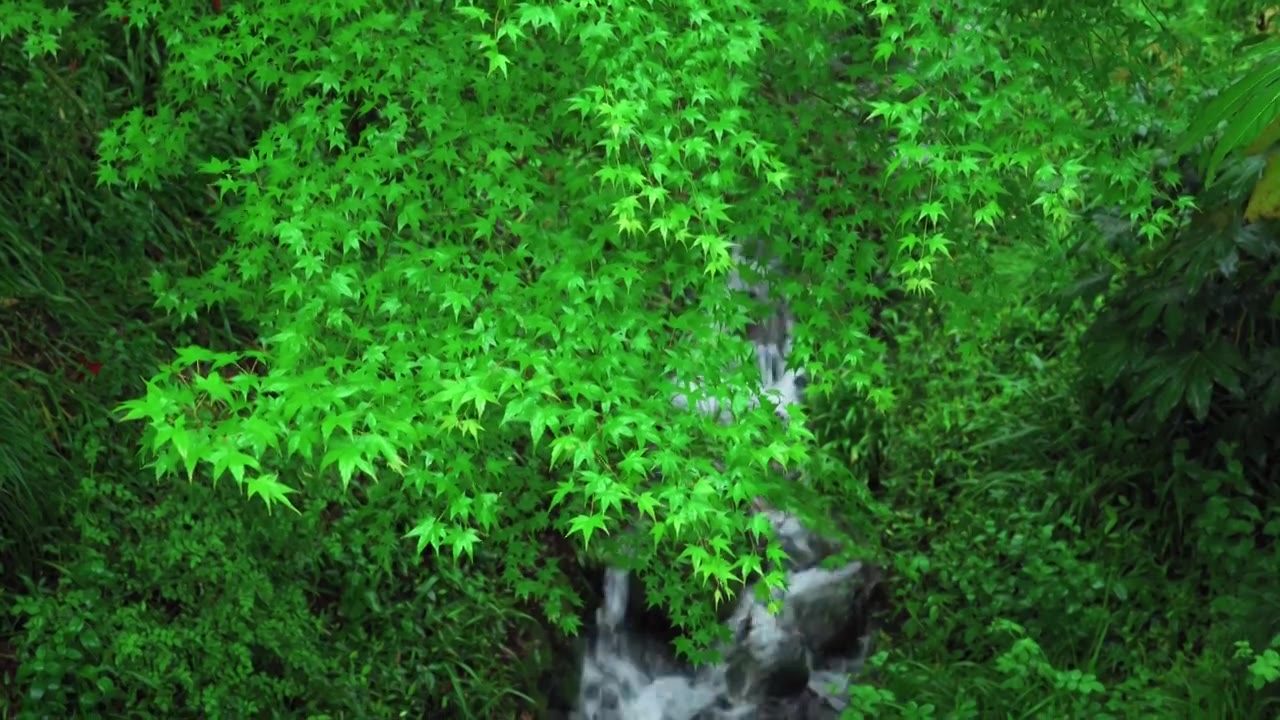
(796, 665)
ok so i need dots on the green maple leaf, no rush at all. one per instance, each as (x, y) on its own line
(268, 487)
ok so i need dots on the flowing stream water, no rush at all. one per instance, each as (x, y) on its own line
(794, 665)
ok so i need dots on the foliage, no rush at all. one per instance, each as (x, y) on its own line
(1182, 366)
(432, 267)
(180, 600)
(65, 246)
(25, 455)
(360, 627)
(1245, 110)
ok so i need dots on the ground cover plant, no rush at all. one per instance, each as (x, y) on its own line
(338, 342)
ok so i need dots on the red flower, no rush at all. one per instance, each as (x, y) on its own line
(91, 366)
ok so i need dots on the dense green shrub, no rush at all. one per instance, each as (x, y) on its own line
(179, 601)
(1021, 582)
